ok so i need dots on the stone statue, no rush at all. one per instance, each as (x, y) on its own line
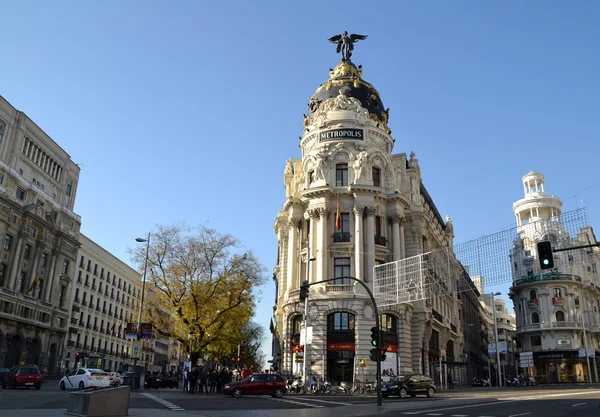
(359, 163)
(289, 167)
(318, 167)
(413, 162)
(345, 43)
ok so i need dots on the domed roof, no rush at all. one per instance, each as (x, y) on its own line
(348, 77)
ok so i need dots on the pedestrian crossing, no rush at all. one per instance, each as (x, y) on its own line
(310, 402)
(169, 405)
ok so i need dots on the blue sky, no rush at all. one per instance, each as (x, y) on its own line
(187, 110)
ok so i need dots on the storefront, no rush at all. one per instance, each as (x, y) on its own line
(340, 347)
(559, 366)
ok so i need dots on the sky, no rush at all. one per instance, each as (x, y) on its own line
(188, 110)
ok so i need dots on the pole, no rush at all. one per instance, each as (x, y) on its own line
(306, 318)
(136, 373)
(499, 372)
(587, 357)
(489, 370)
(376, 312)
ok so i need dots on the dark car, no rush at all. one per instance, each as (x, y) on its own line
(403, 386)
(23, 376)
(3, 371)
(257, 384)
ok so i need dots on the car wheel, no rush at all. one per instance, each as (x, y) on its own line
(81, 385)
(278, 393)
(403, 393)
(237, 392)
(430, 392)
(62, 385)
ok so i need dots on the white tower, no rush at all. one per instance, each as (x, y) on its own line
(536, 205)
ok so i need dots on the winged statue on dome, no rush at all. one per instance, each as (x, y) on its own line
(345, 43)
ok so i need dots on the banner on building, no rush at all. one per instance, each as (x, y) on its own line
(136, 349)
(131, 331)
(146, 331)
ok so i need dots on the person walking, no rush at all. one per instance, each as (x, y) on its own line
(193, 379)
(450, 380)
(185, 379)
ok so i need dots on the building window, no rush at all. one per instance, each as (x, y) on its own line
(8, 242)
(1, 130)
(1, 178)
(26, 251)
(311, 177)
(560, 316)
(342, 269)
(536, 340)
(341, 175)
(532, 295)
(32, 231)
(376, 177)
(20, 194)
(343, 235)
(20, 171)
(535, 318)
(65, 269)
(69, 188)
(557, 292)
(340, 322)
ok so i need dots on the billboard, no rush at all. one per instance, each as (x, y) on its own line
(146, 329)
(131, 331)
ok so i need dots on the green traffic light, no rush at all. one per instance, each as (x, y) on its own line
(546, 262)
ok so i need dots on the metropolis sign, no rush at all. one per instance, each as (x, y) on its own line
(342, 134)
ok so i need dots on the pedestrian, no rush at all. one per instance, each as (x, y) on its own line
(193, 379)
(450, 380)
(185, 379)
(213, 379)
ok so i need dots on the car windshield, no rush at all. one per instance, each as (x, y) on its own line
(396, 379)
(29, 371)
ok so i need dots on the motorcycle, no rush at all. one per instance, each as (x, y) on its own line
(512, 382)
(297, 386)
(476, 382)
(312, 387)
(326, 386)
(358, 387)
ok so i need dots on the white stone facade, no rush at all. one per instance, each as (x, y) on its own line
(551, 305)
(386, 214)
(105, 298)
(38, 186)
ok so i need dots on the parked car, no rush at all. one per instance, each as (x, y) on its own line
(257, 384)
(115, 378)
(23, 376)
(83, 378)
(403, 386)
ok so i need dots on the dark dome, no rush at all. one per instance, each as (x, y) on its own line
(346, 75)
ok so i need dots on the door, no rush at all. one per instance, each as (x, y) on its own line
(257, 385)
(412, 384)
(80, 376)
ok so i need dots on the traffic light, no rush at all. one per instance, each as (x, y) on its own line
(78, 356)
(545, 255)
(374, 336)
(381, 355)
(239, 359)
(303, 290)
(374, 355)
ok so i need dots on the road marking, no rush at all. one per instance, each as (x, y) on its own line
(328, 402)
(169, 405)
(517, 415)
(298, 402)
(434, 414)
(459, 415)
(554, 395)
(577, 405)
(461, 406)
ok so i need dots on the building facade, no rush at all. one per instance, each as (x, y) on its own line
(556, 309)
(38, 187)
(106, 296)
(352, 204)
(506, 326)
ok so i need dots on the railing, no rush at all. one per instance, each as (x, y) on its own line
(533, 304)
(380, 240)
(339, 287)
(550, 276)
(558, 300)
(341, 237)
(550, 326)
(453, 328)
(71, 343)
(437, 316)
(73, 320)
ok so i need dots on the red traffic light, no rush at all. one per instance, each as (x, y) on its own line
(239, 359)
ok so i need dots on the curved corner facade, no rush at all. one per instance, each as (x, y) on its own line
(352, 204)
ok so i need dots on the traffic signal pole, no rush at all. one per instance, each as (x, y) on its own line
(307, 284)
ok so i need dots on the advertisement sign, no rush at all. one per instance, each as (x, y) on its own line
(146, 329)
(136, 349)
(94, 362)
(591, 352)
(340, 346)
(563, 340)
(491, 349)
(310, 336)
(131, 331)
(502, 347)
(581, 353)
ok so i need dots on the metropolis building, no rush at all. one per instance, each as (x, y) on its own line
(352, 204)
(557, 310)
(38, 186)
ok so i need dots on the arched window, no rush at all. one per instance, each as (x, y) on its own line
(535, 318)
(295, 329)
(532, 295)
(388, 323)
(557, 293)
(340, 322)
(560, 316)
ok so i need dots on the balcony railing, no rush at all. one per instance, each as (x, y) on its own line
(533, 304)
(73, 320)
(71, 343)
(341, 237)
(339, 288)
(437, 316)
(453, 327)
(558, 300)
(549, 276)
(380, 240)
(551, 326)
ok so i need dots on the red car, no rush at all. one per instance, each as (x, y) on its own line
(257, 384)
(23, 376)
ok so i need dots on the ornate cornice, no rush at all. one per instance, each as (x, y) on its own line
(297, 223)
(370, 211)
(324, 212)
(358, 211)
(313, 213)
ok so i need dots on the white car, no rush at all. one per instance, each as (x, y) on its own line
(116, 379)
(83, 378)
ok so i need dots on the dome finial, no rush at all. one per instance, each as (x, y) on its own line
(345, 43)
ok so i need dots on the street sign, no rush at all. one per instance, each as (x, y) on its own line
(502, 347)
(526, 359)
(303, 336)
(492, 349)
(581, 353)
(363, 363)
(463, 356)
(591, 352)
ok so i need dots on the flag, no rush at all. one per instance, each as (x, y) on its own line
(338, 216)
(33, 284)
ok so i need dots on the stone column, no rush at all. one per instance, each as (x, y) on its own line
(402, 241)
(50, 276)
(283, 241)
(322, 247)
(292, 265)
(396, 243)
(370, 237)
(312, 242)
(15, 268)
(358, 243)
(39, 247)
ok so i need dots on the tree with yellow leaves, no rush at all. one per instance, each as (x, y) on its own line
(201, 288)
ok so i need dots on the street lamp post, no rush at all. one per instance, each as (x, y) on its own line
(499, 371)
(308, 260)
(136, 374)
